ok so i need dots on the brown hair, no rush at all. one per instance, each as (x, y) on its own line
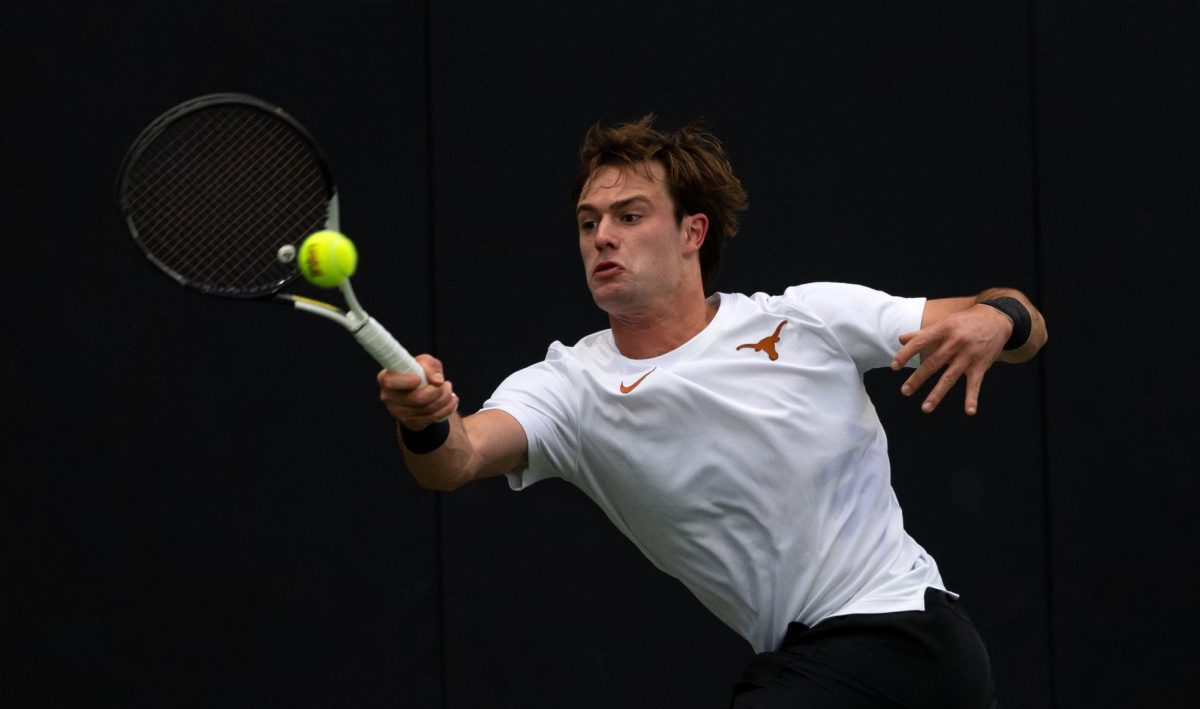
(699, 178)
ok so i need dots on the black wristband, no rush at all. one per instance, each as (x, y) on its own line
(1022, 324)
(426, 440)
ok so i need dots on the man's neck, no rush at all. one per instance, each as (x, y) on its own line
(651, 333)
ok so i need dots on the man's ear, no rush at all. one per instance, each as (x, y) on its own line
(697, 228)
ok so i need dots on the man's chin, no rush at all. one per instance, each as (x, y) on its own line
(609, 299)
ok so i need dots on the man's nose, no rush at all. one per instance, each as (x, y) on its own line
(605, 234)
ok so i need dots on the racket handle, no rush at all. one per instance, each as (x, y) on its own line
(384, 348)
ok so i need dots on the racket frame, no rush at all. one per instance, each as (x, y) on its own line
(155, 129)
(378, 342)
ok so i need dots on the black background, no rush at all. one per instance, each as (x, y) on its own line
(203, 502)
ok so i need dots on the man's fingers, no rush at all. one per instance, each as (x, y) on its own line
(436, 409)
(400, 381)
(425, 405)
(944, 384)
(448, 408)
(433, 368)
(397, 381)
(418, 398)
(929, 366)
(408, 401)
(915, 380)
(957, 350)
(907, 351)
(944, 361)
(974, 385)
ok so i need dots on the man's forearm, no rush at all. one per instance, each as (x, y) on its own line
(484, 444)
(446, 467)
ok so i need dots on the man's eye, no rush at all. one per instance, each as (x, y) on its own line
(630, 218)
(587, 226)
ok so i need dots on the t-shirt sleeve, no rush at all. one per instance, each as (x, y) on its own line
(542, 400)
(867, 322)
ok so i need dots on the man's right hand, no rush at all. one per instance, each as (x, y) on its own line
(413, 405)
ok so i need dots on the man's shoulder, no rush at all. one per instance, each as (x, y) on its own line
(802, 290)
(827, 303)
(597, 347)
(563, 360)
(805, 296)
(834, 296)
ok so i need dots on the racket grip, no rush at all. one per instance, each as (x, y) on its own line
(383, 347)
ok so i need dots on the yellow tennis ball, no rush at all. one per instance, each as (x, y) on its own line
(327, 258)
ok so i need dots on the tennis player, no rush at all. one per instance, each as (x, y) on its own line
(730, 436)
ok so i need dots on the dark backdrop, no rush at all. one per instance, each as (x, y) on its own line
(203, 503)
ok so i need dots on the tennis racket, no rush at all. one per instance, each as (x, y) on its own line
(219, 191)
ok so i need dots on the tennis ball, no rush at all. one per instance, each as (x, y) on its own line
(327, 258)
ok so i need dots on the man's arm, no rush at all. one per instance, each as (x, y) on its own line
(484, 444)
(963, 337)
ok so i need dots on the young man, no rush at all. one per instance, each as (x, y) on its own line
(730, 437)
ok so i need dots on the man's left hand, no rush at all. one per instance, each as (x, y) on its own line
(965, 342)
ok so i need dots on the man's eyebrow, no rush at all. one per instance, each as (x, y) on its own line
(615, 206)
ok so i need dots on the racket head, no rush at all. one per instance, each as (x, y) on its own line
(213, 188)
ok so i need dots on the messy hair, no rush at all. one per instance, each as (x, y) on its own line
(699, 178)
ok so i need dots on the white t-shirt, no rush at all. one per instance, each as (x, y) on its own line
(748, 463)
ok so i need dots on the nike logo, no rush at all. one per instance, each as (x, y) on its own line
(631, 387)
(767, 344)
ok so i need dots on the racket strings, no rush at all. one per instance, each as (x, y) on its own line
(223, 239)
(217, 192)
(236, 178)
(188, 199)
(180, 169)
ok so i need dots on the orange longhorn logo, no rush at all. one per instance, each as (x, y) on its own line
(766, 344)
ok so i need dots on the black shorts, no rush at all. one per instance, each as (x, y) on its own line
(930, 659)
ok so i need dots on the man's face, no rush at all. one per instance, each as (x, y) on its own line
(635, 254)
